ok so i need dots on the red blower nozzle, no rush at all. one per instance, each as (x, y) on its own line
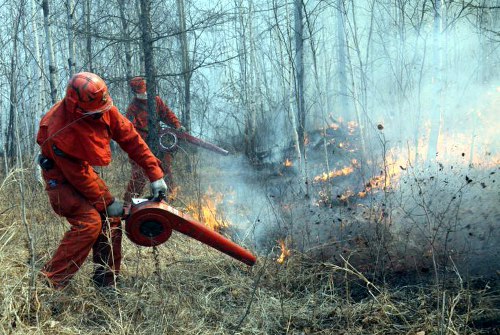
(150, 223)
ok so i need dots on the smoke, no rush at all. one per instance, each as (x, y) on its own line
(441, 216)
(247, 201)
(450, 212)
(405, 83)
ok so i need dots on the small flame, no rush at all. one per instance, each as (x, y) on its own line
(387, 178)
(206, 210)
(288, 163)
(352, 125)
(285, 252)
(344, 197)
(334, 126)
(332, 174)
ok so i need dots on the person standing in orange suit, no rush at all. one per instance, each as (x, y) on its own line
(73, 137)
(138, 115)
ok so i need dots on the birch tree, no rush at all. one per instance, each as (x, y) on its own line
(126, 38)
(246, 68)
(50, 51)
(342, 82)
(149, 64)
(88, 36)
(38, 66)
(299, 87)
(11, 135)
(186, 65)
(70, 8)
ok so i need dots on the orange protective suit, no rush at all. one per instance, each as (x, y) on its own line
(138, 115)
(74, 143)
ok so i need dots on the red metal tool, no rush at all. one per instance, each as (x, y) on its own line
(169, 138)
(150, 223)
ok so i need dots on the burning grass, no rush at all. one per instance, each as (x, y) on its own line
(206, 210)
(194, 289)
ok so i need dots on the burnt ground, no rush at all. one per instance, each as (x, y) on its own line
(429, 221)
(432, 226)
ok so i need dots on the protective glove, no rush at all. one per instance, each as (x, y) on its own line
(182, 129)
(115, 209)
(158, 186)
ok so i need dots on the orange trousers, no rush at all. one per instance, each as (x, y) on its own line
(89, 231)
(138, 179)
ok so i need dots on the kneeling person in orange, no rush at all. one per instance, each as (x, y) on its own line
(138, 115)
(74, 136)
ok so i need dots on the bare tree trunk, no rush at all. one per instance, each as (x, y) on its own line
(356, 105)
(141, 54)
(299, 72)
(247, 76)
(341, 62)
(287, 76)
(70, 8)
(437, 110)
(40, 92)
(88, 48)
(50, 52)
(11, 134)
(319, 91)
(299, 86)
(359, 95)
(186, 66)
(253, 97)
(147, 45)
(126, 37)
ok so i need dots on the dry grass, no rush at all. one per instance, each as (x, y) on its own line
(196, 290)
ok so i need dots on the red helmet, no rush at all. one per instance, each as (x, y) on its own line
(138, 85)
(89, 93)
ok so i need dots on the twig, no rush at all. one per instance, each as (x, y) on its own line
(7, 209)
(257, 281)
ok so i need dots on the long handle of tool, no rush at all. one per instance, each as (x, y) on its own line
(198, 231)
(197, 141)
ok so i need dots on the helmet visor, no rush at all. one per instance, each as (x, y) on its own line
(98, 109)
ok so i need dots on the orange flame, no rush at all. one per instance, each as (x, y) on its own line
(285, 252)
(389, 176)
(344, 197)
(306, 139)
(334, 126)
(332, 174)
(206, 210)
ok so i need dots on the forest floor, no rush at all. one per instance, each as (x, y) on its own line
(328, 262)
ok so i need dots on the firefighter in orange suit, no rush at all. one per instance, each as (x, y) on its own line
(74, 136)
(138, 115)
